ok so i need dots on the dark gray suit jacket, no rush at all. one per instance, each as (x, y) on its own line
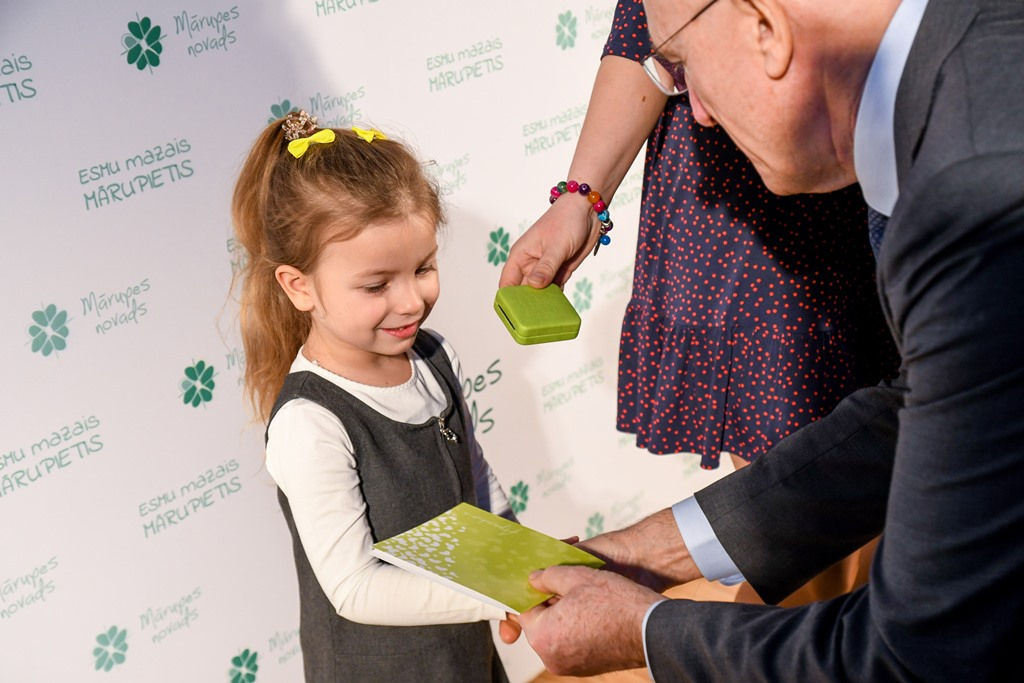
(934, 461)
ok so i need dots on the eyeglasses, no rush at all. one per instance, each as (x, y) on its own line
(670, 78)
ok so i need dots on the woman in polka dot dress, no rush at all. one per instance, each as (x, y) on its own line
(751, 314)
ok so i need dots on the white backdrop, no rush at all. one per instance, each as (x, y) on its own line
(141, 538)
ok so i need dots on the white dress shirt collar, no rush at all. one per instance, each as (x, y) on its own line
(874, 143)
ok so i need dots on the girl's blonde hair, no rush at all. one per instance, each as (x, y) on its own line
(286, 210)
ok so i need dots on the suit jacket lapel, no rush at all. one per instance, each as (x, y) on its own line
(942, 27)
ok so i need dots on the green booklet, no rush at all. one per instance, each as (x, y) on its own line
(482, 555)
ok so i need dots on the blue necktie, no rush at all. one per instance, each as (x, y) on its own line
(876, 229)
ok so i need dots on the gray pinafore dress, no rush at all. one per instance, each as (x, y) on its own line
(409, 473)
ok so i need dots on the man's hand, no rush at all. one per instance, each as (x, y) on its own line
(650, 556)
(509, 629)
(553, 247)
(650, 552)
(593, 625)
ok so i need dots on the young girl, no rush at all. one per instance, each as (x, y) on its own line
(368, 434)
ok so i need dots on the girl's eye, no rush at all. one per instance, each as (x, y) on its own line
(375, 289)
(423, 270)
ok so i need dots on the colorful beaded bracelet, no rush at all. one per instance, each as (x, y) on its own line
(598, 204)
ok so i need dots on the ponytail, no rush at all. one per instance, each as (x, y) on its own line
(272, 328)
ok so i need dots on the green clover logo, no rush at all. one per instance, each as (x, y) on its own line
(244, 667)
(518, 496)
(595, 525)
(49, 331)
(582, 295)
(198, 384)
(142, 43)
(566, 30)
(497, 247)
(111, 648)
(279, 110)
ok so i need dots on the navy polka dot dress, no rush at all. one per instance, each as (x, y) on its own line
(751, 314)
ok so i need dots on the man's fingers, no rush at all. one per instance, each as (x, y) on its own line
(560, 580)
(527, 618)
(537, 580)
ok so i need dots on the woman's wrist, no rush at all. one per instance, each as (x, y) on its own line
(595, 202)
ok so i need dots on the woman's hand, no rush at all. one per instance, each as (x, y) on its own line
(554, 246)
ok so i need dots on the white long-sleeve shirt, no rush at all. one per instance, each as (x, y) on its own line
(310, 457)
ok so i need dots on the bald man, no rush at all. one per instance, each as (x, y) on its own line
(919, 101)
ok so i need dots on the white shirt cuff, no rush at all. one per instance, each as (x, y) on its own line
(643, 635)
(708, 554)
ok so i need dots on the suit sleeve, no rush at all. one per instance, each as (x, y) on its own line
(800, 494)
(944, 599)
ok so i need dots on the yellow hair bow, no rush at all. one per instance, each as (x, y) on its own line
(298, 146)
(369, 135)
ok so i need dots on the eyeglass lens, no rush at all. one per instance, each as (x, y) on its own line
(669, 77)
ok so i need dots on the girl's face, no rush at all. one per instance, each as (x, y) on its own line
(370, 294)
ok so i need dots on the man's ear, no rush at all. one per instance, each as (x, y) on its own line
(297, 285)
(774, 36)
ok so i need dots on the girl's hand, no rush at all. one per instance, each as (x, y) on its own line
(509, 629)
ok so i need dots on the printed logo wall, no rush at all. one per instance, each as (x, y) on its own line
(142, 536)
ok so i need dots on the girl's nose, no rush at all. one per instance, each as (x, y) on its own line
(408, 298)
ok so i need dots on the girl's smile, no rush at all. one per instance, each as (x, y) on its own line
(403, 332)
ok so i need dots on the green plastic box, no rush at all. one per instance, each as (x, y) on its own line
(534, 316)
